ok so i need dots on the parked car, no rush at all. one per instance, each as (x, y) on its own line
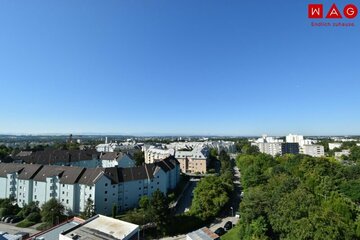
(228, 225)
(8, 219)
(16, 219)
(3, 218)
(23, 235)
(220, 231)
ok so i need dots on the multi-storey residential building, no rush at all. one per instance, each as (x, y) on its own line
(116, 159)
(194, 161)
(277, 148)
(332, 146)
(154, 154)
(290, 148)
(293, 138)
(79, 158)
(313, 150)
(272, 148)
(343, 153)
(73, 186)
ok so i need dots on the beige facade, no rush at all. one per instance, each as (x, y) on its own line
(193, 165)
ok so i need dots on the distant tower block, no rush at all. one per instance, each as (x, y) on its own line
(70, 140)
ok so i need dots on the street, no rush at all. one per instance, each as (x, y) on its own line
(227, 214)
(186, 199)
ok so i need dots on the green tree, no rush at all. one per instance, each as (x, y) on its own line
(52, 211)
(89, 210)
(114, 211)
(159, 210)
(32, 207)
(139, 157)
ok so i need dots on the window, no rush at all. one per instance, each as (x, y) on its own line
(67, 194)
(106, 184)
(50, 194)
(62, 200)
(158, 176)
(105, 192)
(35, 183)
(63, 185)
(157, 183)
(63, 192)
(34, 196)
(67, 201)
(139, 188)
(90, 187)
(20, 187)
(105, 199)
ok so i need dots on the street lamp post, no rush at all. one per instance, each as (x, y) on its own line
(232, 211)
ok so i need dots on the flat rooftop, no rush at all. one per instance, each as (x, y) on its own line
(53, 233)
(203, 234)
(102, 227)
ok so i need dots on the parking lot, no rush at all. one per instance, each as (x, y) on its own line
(12, 229)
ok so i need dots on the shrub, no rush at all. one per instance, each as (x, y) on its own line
(34, 217)
(25, 223)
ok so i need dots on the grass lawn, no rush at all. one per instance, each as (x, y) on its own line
(232, 234)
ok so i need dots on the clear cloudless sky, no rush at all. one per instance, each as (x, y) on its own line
(232, 67)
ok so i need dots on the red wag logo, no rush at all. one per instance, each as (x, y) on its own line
(350, 11)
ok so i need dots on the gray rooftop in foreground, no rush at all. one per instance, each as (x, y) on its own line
(203, 234)
(54, 233)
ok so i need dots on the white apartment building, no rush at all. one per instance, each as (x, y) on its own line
(116, 159)
(227, 146)
(79, 158)
(272, 148)
(154, 154)
(73, 186)
(334, 145)
(313, 150)
(339, 155)
(266, 139)
(293, 138)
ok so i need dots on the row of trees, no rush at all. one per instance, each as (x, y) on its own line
(213, 192)
(51, 212)
(298, 197)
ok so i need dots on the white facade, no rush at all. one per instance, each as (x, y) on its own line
(292, 138)
(266, 139)
(334, 145)
(339, 155)
(313, 150)
(116, 160)
(73, 186)
(153, 154)
(272, 148)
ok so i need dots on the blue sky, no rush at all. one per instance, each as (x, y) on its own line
(230, 67)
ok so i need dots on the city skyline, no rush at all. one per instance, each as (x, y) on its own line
(234, 68)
